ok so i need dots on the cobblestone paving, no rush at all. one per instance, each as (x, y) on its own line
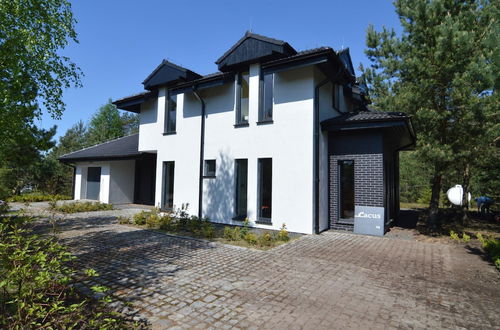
(328, 281)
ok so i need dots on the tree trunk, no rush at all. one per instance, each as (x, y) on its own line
(434, 204)
(465, 197)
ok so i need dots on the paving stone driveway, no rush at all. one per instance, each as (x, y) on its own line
(331, 281)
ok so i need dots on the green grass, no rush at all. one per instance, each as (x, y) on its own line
(36, 197)
(81, 207)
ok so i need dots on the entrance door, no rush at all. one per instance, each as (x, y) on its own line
(93, 182)
(346, 191)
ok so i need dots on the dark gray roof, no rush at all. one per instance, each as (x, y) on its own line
(168, 72)
(121, 148)
(368, 116)
(256, 36)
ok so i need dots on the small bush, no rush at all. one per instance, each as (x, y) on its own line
(283, 234)
(4, 207)
(465, 238)
(167, 223)
(123, 220)
(454, 236)
(492, 247)
(82, 207)
(140, 218)
(266, 239)
(250, 238)
(232, 234)
(153, 220)
(245, 228)
(36, 197)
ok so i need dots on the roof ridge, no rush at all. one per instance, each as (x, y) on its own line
(99, 144)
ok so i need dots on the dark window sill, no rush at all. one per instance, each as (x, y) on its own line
(264, 221)
(240, 218)
(241, 125)
(265, 122)
(209, 177)
(170, 133)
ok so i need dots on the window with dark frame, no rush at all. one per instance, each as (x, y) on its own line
(266, 89)
(242, 97)
(346, 189)
(168, 185)
(241, 189)
(336, 97)
(209, 168)
(265, 189)
(170, 113)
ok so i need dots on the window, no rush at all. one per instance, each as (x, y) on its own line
(265, 189)
(241, 188)
(168, 185)
(266, 98)
(336, 97)
(209, 168)
(346, 188)
(170, 113)
(242, 96)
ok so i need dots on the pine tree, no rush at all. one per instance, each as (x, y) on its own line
(441, 70)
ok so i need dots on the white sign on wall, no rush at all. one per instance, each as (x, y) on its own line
(369, 220)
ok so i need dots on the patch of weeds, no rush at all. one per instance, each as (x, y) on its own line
(250, 238)
(123, 220)
(82, 207)
(283, 234)
(37, 197)
(492, 247)
(232, 234)
(454, 236)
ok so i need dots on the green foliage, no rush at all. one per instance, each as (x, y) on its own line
(141, 217)
(4, 207)
(465, 238)
(123, 220)
(492, 247)
(266, 239)
(283, 234)
(75, 207)
(105, 125)
(232, 234)
(36, 197)
(250, 238)
(442, 71)
(454, 236)
(35, 285)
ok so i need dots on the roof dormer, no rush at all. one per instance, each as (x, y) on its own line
(253, 48)
(167, 73)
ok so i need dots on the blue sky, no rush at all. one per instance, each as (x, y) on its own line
(121, 42)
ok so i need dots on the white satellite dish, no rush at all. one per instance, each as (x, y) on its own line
(456, 194)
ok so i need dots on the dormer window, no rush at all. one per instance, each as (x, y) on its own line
(242, 97)
(170, 112)
(266, 98)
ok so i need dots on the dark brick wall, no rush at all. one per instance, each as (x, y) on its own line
(368, 183)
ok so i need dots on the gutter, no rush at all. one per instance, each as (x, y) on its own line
(202, 153)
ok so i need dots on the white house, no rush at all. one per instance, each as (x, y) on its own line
(276, 136)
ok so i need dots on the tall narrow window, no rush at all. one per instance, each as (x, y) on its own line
(241, 188)
(335, 97)
(266, 97)
(346, 187)
(168, 185)
(210, 168)
(265, 189)
(242, 96)
(170, 113)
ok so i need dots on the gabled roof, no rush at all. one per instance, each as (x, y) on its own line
(166, 73)
(253, 47)
(345, 57)
(126, 147)
(368, 116)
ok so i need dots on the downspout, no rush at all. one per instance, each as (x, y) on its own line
(202, 153)
(316, 154)
(74, 181)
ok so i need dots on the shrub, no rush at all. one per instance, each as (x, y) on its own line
(167, 223)
(123, 220)
(283, 234)
(153, 220)
(232, 234)
(244, 229)
(465, 238)
(36, 197)
(82, 207)
(207, 230)
(492, 247)
(36, 291)
(454, 236)
(266, 239)
(140, 218)
(4, 207)
(250, 238)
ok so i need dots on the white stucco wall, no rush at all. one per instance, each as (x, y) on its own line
(122, 179)
(288, 141)
(81, 180)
